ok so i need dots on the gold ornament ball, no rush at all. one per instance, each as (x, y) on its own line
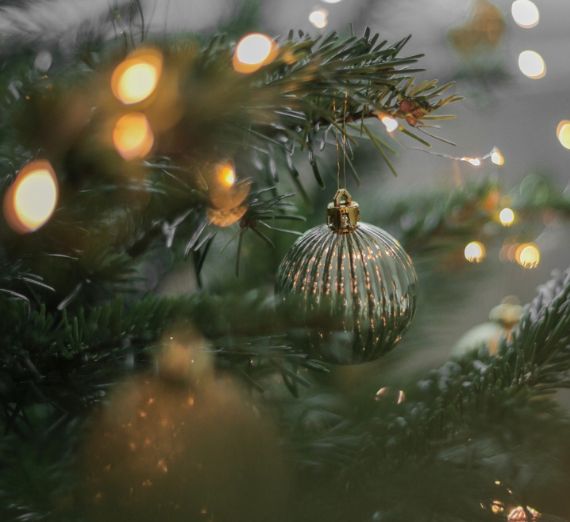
(357, 273)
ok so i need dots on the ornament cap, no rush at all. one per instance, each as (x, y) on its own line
(342, 212)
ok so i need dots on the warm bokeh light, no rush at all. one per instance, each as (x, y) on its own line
(319, 18)
(252, 52)
(132, 136)
(563, 133)
(390, 123)
(527, 255)
(475, 252)
(32, 197)
(136, 77)
(532, 65)
(497, 157)
(525, 13)
(507, 216)
(226, 175)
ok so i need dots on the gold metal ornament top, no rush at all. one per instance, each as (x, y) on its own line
(343, 213)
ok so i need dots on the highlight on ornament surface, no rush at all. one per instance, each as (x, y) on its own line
(507, 217)
(252, 52)
(359, 275)
(475, 252)
(31, 199)
(132, 136)
(527, 255)
(135, 78)
(563, 133)
(532, 65)
(525, 13)
(319, 18)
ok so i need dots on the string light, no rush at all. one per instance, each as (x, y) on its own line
(475, 252)
(532, 65)
(507, 216)
(525, 13)
(527, 255)
(31, 199)
(319, 18)
(252, 52)
(497, 157)
(520, 514)
(389, 122)
(563, 133)
(132, 136)
(136, 77)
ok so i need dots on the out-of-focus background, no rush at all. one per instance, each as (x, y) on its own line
(478, 43)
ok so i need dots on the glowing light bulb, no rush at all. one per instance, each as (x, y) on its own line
(532, 65)
(319, 18)
(476, 162)
(226, 175)
(527, 255)
(136, 77)
(31, 199)
(497, 157)
(252, 52)
(507, 217)
(132, 136)
(525, 13)
(475, 252)
(332, 1)
(390, 123)
(563, 133)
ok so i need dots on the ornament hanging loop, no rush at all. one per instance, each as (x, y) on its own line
(342, 212)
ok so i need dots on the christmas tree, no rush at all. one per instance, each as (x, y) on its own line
(199, 322)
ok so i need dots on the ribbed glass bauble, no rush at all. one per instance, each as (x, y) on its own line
(358, 272)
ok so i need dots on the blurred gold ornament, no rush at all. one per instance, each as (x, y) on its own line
(527, 255)
(356, 274)
(502, 319)
(563, 133)
(225, 218)
(475, 252)
(254, 51)
(161, 451)
(507, 217)
(532, 65)
(31, 199)
(226, 195)
(132, 136)
(136, 77)
(484, 29)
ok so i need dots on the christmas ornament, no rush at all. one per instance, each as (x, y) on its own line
(484, 30)
(502, 319)
(357, 272)
(182, 445)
